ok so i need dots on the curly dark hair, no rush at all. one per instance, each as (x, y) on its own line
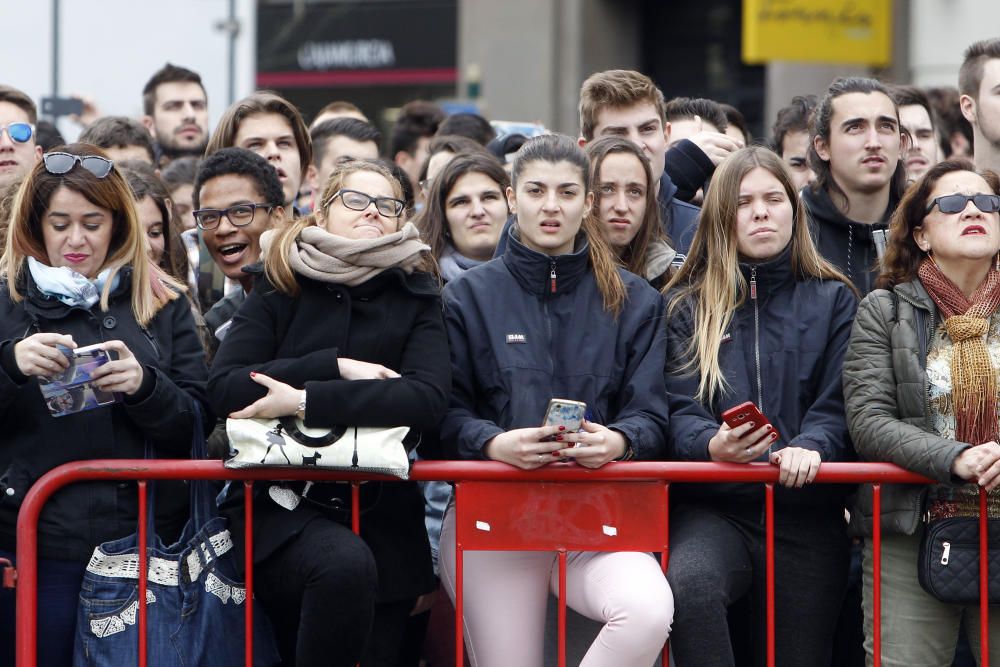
(240, 162)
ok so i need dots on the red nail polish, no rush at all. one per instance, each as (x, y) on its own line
(774, 436)
(559, 437)
(556, 454)
(562, 428)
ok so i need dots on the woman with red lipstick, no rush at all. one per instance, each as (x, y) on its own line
(627, 208)
(76, 273)
(755, 314)
(555, 317)
(921, 385)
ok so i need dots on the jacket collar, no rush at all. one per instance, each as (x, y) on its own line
(770, 274)
(533, 270)
(821, 207)
(915, 292)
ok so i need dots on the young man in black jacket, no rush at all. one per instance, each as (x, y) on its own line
(855, 144)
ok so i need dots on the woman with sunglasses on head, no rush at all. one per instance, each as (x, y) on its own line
(76, 273)
(344, 327)
(921, 387)
(555, 317)
(627, 208)
(756, 315)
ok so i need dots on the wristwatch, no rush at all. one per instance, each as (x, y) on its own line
(300, 411)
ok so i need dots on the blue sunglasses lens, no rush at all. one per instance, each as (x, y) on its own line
(20, 132)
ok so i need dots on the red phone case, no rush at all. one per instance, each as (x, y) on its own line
(743, 413)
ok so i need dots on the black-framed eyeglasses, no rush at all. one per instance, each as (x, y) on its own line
(359, 201)
(239, 215)
(59, 163)
(20, 133)
(956, 203)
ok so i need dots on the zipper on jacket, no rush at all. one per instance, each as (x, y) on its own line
(152, 341)
(756, 340)
(552, 276)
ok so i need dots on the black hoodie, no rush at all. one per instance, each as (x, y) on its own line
(847, 244)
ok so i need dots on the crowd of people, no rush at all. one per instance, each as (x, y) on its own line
(662, 267)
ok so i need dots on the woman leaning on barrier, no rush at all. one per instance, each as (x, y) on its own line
(344, 327)
(921, 386)
(555, 317)
(755, 314)
(76, 273)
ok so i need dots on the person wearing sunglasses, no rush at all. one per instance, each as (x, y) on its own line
(18, 151)
(343, 327)
(921, 391)
(76, 273)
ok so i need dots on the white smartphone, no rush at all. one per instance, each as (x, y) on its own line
(564, 412)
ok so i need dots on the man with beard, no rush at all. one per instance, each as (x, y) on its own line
(176, 113)
(855, 146)
(979, 84)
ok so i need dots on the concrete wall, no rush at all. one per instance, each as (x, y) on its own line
(940, 31)
(532, 55)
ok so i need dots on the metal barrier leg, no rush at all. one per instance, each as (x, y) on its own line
(459, 586)
(769, 567)
(984, 581)
(248, 569)
(143, 570)
(877, 574)
(562, 608)
(664, 563)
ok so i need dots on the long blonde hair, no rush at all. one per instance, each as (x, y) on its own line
(710, 278)
(277, 267)
(151, 288)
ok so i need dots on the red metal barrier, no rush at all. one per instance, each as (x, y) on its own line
(469, 475)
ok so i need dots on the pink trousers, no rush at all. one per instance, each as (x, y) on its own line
(506, 593)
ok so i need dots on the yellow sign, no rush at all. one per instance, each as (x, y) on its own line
(829, 31)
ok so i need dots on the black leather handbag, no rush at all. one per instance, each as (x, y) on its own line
(948, 567)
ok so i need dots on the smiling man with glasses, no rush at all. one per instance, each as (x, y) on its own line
(237, 197)
(18, 151)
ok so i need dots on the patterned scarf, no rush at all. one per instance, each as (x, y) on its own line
(973, 377)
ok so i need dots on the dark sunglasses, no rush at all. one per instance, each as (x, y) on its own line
(390, 207)
(62, 163)
(18, 132)
(957, 203)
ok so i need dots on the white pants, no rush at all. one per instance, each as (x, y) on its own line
(506, 593)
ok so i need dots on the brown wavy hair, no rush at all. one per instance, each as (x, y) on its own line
(902, 254)
(152, 287)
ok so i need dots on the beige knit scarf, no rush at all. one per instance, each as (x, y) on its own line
(329, 258)
(973, 377)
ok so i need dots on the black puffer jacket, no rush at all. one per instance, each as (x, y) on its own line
(848, 245)
(800, 330)
(516, 343)
(393, 319)
(81, 516)
(679, 218)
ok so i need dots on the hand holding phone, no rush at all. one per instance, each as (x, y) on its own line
(566, 413)
(745, 435)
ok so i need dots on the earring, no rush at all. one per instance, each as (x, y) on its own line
(997, 262)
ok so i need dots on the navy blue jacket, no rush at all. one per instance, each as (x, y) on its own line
(516, 343)
(679, 218)
(804, 327)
